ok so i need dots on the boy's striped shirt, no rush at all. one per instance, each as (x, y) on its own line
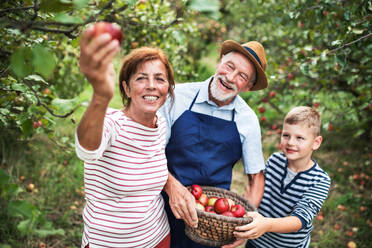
(302, 197)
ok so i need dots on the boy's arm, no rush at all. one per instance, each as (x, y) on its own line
(255, 188)
(261, 224)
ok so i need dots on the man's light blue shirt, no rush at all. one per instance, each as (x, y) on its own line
(245, 119)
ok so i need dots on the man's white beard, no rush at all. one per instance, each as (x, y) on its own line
(220, 95)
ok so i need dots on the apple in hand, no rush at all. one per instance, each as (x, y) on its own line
(106, 27)
(199, 205)
(203, 199)
(196, 191)
(221, 205)
(212, 200)
(238, 210)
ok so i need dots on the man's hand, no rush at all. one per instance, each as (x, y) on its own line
(95, 62)
(181, 201)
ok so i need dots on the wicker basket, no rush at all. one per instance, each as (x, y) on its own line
(214, 229)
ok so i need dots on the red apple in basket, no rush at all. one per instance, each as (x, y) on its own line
(231, 203)
(212, 200)
(209, 209)
(221, 205)
(238, 210)
(199, 205)
(228, 213)
(203, 199)
(196, 191)
(106, 27)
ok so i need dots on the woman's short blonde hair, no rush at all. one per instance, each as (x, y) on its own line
(304, 115)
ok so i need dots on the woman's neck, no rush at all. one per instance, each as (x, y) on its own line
(148, 120)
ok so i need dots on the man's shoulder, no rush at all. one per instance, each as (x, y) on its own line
(187, 89)
(243, 108)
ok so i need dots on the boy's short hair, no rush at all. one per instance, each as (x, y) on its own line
(305, 115)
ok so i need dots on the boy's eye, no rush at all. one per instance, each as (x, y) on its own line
(300, 138)
(160, 79)
(285, 135)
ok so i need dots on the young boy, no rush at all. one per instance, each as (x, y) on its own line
(295, 187)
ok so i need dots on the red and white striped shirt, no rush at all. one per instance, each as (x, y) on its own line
(123, 179)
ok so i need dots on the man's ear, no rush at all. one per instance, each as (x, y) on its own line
(126, 88)
(317, 142)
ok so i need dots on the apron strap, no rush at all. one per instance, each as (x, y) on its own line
(193, 101)
(196, 96)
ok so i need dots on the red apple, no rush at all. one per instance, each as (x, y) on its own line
(274, 126)
(265, 99)
(330, 127)
(228, 213)
(261, 109)
(238, 210)
(111, 28)
(212, 200)
(263, 118)
(196, 191)
(35, 124)
(199, 205)
(231, 203)
(209, 209)
(272, 94)
(316, 104)
(203, 199)
(221, 205)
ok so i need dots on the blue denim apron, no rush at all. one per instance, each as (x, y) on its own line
(202, 150)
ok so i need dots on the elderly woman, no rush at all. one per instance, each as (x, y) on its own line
(125, 167)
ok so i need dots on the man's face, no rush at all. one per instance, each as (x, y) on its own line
(233, 75)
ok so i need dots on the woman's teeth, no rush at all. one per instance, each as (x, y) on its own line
(151, 98)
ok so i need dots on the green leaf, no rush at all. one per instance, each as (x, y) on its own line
(24, 226)
(19, 87)
(131, 3)
(42, 233)
(4, 178)
(80, 4)
(43, 60)
(65, 105)
(66, 18)
(23, 209)
(36, 78)
(27, 128)
(55, 6)
(204, 5)
(19, 62)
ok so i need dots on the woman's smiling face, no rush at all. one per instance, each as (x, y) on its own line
(148, 87)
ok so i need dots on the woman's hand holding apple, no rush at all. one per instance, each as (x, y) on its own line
(96, 54)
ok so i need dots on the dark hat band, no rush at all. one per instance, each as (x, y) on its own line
(253, 53)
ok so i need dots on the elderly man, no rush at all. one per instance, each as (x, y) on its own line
(210, 128)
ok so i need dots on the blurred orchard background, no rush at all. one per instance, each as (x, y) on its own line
(319, 54)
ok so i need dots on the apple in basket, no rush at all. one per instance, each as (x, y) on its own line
(238, 210)
(212, 200)
(196, 191)
(203, 199)
(199, 205)
(231, 203)
(228, 213)
(221, 205)
(209, 209)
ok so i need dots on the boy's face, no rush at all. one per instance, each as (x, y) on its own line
(298, 141)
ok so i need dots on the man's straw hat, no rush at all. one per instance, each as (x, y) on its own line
(256, 53)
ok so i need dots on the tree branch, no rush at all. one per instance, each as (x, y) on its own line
(350, 43)
(40, 103)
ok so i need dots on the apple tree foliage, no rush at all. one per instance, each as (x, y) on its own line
(319, 54)
(40, 78)
(39, 74)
